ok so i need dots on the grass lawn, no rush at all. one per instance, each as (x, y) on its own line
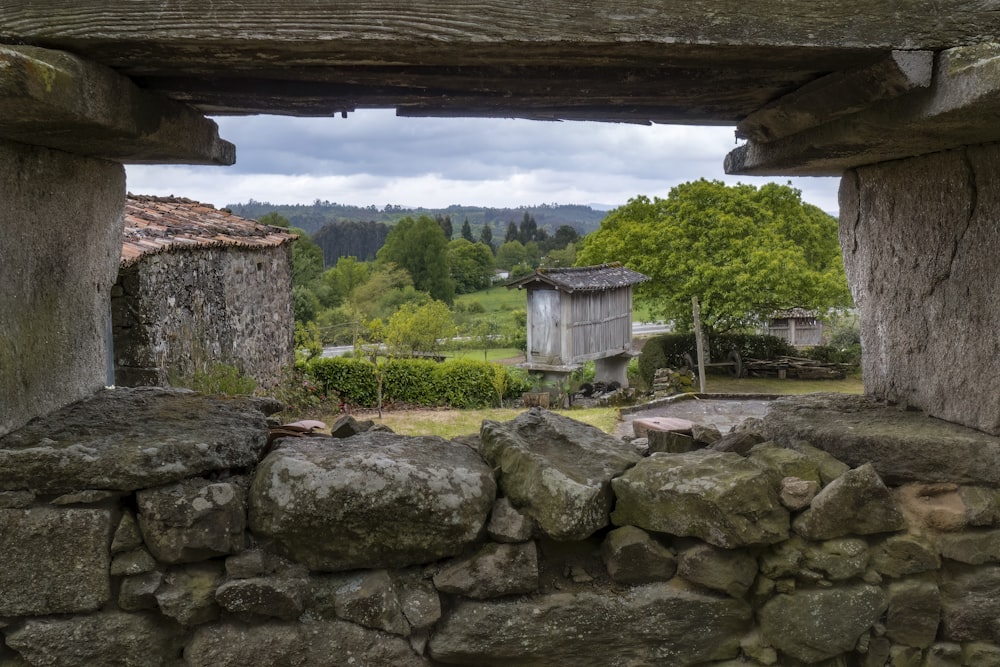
(495, 354)
(496, 299)
(452, 423)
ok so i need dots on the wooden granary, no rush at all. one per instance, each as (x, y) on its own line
(580, 314)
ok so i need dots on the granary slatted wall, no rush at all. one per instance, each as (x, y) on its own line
(601, 322)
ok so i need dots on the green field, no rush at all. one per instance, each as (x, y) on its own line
(495, 299)
(497, 354)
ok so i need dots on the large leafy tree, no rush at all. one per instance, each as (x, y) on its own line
(419, 247)
(472, 265)
(419, 328)
(744, 252)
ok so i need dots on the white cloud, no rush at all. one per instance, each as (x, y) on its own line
(374, 157)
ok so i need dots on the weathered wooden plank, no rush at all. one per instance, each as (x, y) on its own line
(53, 99)
(712, 60)
(839, 94)
(337, 24)
(959, 108)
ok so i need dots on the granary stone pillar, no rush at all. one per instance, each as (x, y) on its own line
(66, 126)
(60, 241)
(921, 244)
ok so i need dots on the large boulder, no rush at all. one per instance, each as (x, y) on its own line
(55, 561)
(557, 470)
(306, 644)
(193, 520)
(128, 439)
(493, 571)
(903, 446)
(970, 606)
(106, 639)
(651, 624)
(856, 503)
(814, 625)
(373, 500)
(720, 498)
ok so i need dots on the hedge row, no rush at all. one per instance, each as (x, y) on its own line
(461, 383)
(667, 350)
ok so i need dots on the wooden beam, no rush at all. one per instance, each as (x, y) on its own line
(244, 27)
(53, 99)
(960, 108)
(839, 94)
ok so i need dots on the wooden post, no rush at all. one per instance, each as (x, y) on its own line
(699, 344)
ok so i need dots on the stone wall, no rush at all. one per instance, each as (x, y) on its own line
(178, 312)
(157, 527)
(60, 235)
(920, 239)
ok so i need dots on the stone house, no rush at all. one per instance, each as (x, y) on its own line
(198, 286)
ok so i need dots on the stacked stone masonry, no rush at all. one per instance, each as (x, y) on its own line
(144, 527)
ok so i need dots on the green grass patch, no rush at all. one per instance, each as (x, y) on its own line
(495, 299)
(494, 354)
(453, 423)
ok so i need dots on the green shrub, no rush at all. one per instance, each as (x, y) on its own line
(667, 350)
(833, 355)
(410, 381)
(353, 380)
(460, 383)
(218, 379)
(464, 383)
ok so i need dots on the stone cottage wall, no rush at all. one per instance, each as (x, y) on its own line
(158, 527)
(178, 312)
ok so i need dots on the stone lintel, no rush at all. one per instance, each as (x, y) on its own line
(959, 108)
(839, 94)
(57, 100)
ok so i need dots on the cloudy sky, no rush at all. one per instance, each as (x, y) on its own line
(373, 157)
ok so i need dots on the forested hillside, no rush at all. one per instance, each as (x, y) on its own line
(313, 217)
(351, 239)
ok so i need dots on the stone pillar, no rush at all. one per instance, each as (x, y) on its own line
(60, 244)
(612, 369)
(921, 243)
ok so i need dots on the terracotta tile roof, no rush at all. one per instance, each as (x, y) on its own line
(157, 224)
(583, 278)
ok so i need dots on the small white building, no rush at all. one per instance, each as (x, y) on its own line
(580, 314)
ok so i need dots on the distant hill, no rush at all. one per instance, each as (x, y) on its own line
(313, 217)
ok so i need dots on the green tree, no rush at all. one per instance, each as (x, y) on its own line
(423, 328)
(744, 252)
(307, 260)
(444, 222)
(561, 257)
(511, 232)
(486, 236)
(467, 231)
(511, 254)
(528, 230)
(419, 247)
(346, 276)
(472, 265)
(274, 219)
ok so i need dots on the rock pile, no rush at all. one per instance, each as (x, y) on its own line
(138, 528)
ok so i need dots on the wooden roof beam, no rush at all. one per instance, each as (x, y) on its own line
(53, 99)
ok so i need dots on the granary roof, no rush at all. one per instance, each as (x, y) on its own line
(157, 224)
(795, 313)
(583, 278)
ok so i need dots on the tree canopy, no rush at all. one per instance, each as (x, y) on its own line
(471, 264)
(745, 252)
(419, 247)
